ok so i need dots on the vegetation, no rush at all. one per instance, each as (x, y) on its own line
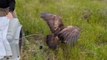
(89, 15)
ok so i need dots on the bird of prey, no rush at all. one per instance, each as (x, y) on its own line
(60, 33)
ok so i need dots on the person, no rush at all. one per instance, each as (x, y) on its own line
(8, 19)
(7, 8)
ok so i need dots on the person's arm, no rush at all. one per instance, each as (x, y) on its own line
(11, 9)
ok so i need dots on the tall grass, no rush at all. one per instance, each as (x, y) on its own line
(92, 44)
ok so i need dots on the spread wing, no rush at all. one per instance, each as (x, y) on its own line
(54, 22)
(70, 35)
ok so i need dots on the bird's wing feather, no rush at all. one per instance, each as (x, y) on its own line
(70, 34)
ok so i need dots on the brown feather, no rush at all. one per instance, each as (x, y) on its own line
(52, 41)
(54, 22)
(68, 35)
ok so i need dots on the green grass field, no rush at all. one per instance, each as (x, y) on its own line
(89, 15)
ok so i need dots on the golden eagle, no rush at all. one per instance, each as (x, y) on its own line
(60, 33)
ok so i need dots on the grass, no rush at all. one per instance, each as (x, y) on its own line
(92, 44)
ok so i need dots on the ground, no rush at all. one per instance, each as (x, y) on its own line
(89, 15)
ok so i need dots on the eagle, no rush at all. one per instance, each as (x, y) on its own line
(60, 33)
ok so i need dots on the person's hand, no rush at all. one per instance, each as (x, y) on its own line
(9, 16)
